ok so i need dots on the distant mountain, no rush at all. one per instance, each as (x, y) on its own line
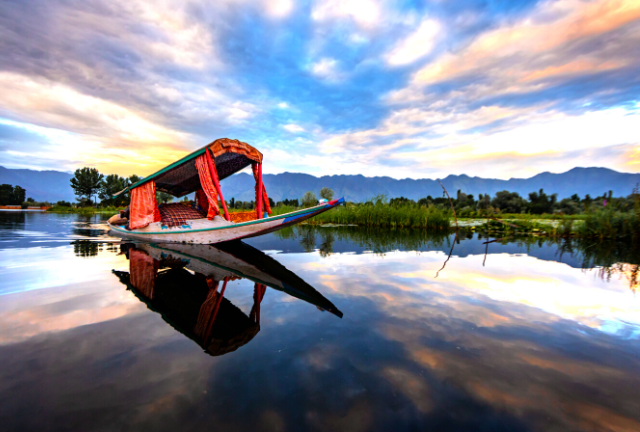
(40, 185)
(54, 185)
(593, 181)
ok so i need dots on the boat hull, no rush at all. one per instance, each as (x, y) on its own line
(198, 231)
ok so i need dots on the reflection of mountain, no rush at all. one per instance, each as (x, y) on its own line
(186, 285)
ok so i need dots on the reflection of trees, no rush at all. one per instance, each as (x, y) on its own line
(377, 240)
(326, 247)
(86, 248)
(12, 221)
(629, 271)
(308, 239)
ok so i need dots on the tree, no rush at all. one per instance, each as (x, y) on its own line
(163, 197)
(326, 193)
(133, 179)
(509, 202)
(309, 199)
(568, 206)
(86, 182)
(232, 203)
(6, 194)
(111, 185)
(540, 202)
(19, 195)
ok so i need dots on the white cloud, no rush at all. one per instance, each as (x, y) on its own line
(365, 13)
(283, 105)
(416, 45)
(293, 128)
(278, 8)
(326, 68)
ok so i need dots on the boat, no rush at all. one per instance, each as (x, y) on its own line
(206, 221)
(186, 284)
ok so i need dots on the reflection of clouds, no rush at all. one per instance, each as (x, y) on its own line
(472, 349)
(552, 287)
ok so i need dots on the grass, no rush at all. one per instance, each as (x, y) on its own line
(379, 214)
(84, 210)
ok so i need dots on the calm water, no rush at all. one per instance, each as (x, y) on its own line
(317, 329)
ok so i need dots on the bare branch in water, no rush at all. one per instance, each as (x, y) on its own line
(449, 257)
(450, 202)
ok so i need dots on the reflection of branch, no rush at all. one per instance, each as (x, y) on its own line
(450, 202)
(502, 222)
(486, 250)
(449, 257)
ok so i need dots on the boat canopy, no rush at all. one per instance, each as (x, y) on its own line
(199, 172)
(181, 178)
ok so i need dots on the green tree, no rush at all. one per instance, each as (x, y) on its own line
(540, 202)
(309, 199)
(509, 202)
(6, 194)
(111, 185)
(163, 197)
(326, 193)
(133, 179)
(19, 195)
(86, 182)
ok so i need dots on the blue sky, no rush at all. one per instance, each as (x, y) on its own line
(403, 89)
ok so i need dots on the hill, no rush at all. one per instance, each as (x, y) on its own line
(54, 185)
(593, 181)
(40, 185)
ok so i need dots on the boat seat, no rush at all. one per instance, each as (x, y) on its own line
(177, 214)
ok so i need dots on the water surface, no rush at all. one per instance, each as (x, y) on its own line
(318, 329)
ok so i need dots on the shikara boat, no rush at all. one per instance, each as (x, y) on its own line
(186, 285)
(204, 222)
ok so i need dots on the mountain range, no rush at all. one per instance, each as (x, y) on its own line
(54, 185)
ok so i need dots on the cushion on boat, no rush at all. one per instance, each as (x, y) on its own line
(177, 214)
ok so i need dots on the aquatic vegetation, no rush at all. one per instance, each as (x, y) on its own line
(609, 223)
(378, 213)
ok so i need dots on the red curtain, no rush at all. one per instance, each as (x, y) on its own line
(207, 186)
(265, 198)
(202, 200)
(144, 208)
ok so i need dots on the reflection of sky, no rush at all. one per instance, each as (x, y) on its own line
(520, 344)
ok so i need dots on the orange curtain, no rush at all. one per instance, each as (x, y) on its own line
(144, 208)
(265, 198)
(207, 186)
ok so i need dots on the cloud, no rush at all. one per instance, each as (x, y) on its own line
(365, 13)
(293, 128)
(326, 68)
(405, 89)
(416, 45)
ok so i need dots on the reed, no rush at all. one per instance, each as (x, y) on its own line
(611, 224)
(379, 214)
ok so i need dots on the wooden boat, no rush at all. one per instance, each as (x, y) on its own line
(186, 285)
(205, 222)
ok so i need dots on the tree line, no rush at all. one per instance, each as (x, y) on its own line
(12, 195)
(466, 205)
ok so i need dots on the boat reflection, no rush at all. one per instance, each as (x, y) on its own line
(186, 284)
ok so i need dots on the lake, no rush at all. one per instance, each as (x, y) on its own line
(314, 328)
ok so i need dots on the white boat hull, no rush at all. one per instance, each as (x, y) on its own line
(204, 231)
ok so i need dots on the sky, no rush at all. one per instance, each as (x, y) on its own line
(418, 89)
